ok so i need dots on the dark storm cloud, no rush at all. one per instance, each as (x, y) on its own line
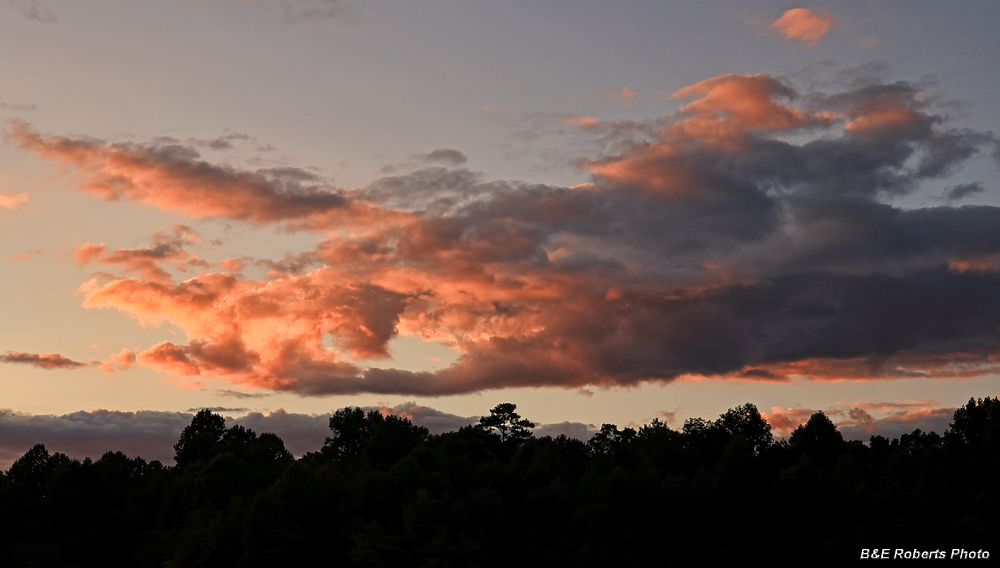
(963, 190)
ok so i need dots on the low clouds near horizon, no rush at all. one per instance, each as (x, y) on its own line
(751, 235)
(151, 434)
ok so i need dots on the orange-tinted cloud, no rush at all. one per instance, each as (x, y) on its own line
(709, 243)
(174, 178)
(729, 105)
(42, 360)
(949, 365)
(25, 255)
(860, 420)
(167, 248)
(726, 110)
(803, 25)
(121, 361)
(12, 201)
(784, 420)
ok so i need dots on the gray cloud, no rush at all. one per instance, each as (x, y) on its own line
(33, 10)
(963, 190)
(18, 106)
(148, 434)
(42, 360)
(312, 10)
(446, 155)
(577, 430)
(241, 395)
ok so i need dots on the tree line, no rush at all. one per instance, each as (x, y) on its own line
(382, 491)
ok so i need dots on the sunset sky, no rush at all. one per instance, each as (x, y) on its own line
(604, 212)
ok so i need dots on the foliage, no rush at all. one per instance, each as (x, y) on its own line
(507, 424)
(383, 491)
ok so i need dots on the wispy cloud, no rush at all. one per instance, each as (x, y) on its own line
(17, 106)
(33, 10)
(42, 360)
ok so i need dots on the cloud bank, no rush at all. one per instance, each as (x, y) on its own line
(750, 235)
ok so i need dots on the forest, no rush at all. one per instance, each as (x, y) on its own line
(382, 491)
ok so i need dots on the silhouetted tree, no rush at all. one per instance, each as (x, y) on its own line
(200, 439)
(609, 440)
(382, 440)
(745, 420)
(976, 422)
(819, 438)
(506, 423)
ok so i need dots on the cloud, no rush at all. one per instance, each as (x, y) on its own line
(627, 96)
(311, 10)
(121, 361)
(12, 201)
(896, 424)
(582, 121)
(151, 434)
(861, 420)
(446, 155)
(803, 25)
(963, 190)
(147, 434)
(577, 430)
(868, 42)
(175, 178)
(24, 255)
(42, 360)
(167, 248)
(436, 421)
(34, 10)
(17, 106)
(240, 395)
(751, 235)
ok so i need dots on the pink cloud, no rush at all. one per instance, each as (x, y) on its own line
(803, 25)
(174, 178)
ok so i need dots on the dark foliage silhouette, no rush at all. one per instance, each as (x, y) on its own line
(382, 491)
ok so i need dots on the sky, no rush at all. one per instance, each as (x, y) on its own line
(601, 212)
